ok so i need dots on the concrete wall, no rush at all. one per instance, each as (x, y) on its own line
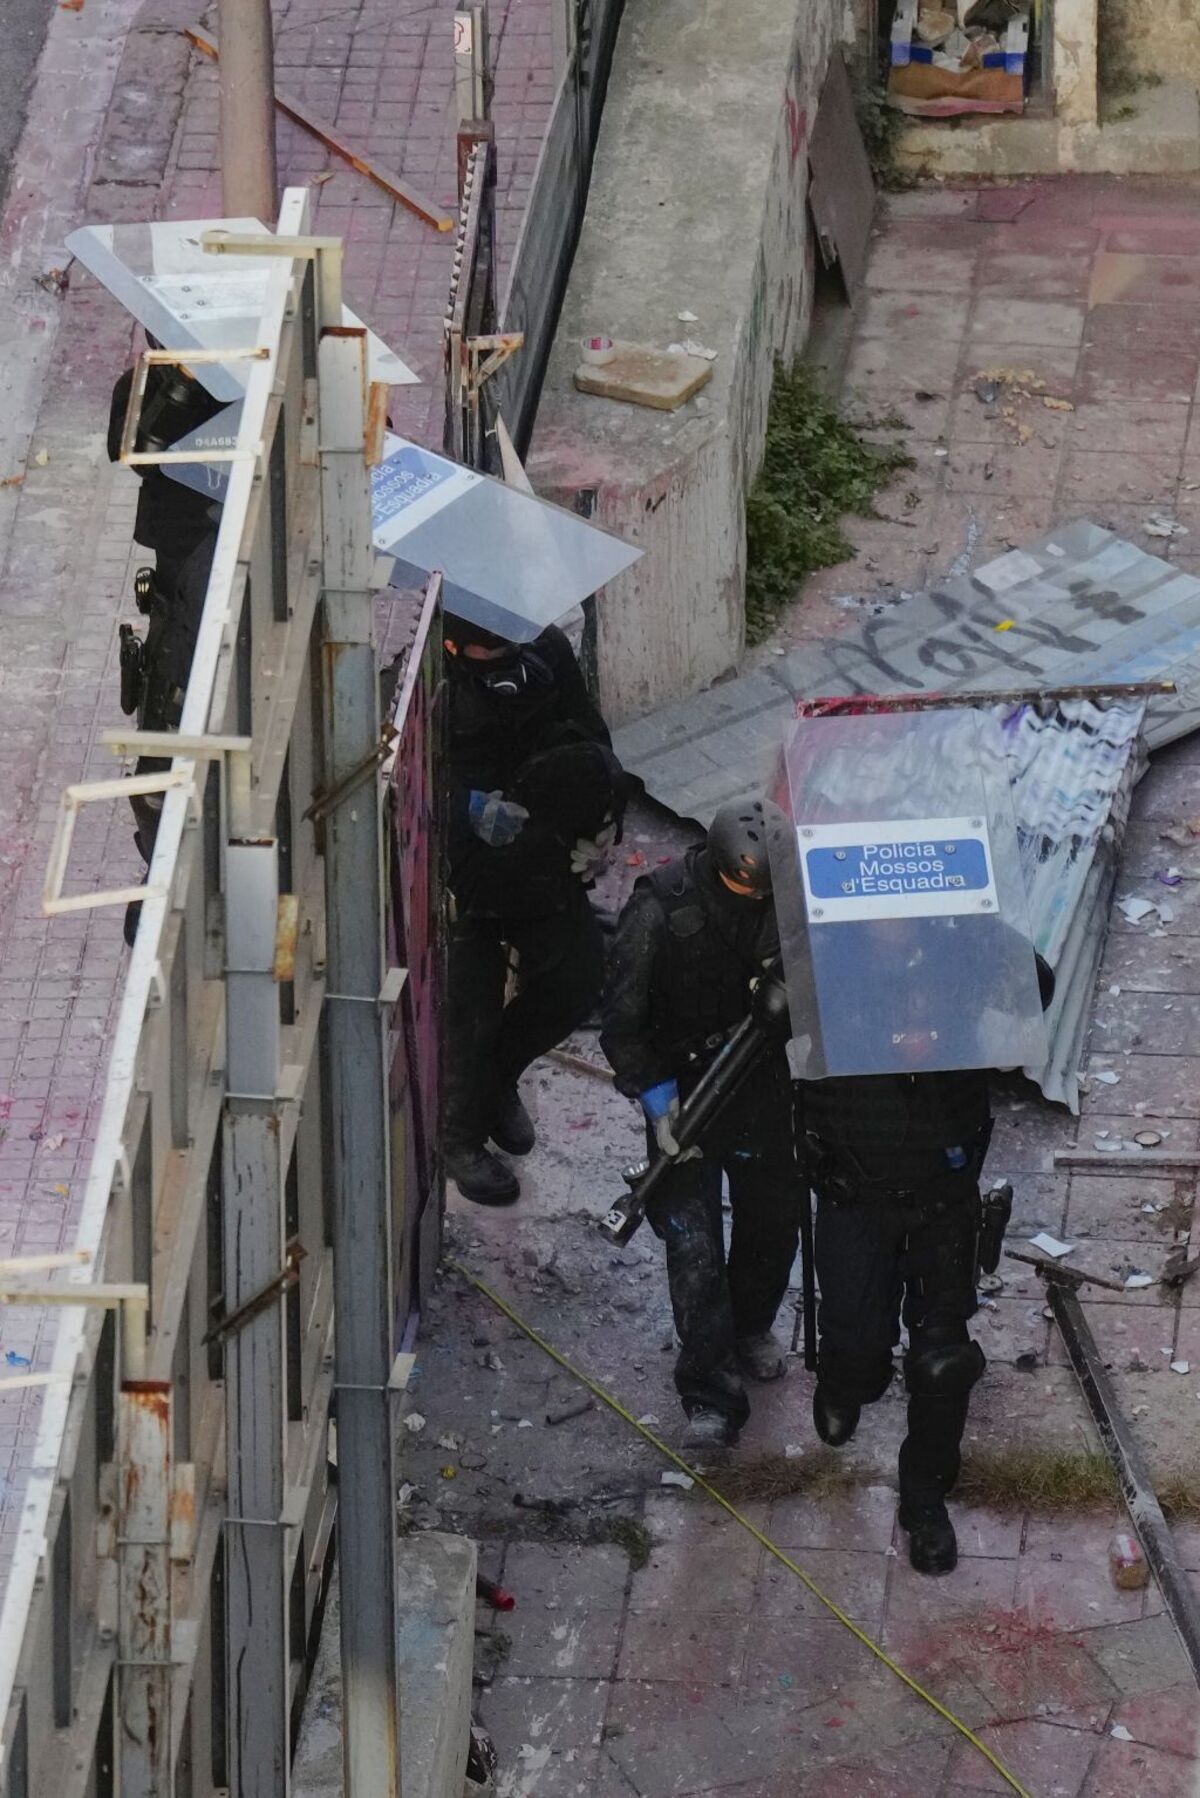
(1151, 37)
(697, 204)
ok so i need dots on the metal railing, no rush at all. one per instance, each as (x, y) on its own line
(178, 1520)
(541, 264)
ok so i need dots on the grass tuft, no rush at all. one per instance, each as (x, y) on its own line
(816, 466)
(1019, 1479)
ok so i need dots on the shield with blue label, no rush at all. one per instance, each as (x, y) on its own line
(902, 910)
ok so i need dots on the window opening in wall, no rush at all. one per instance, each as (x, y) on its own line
(295, 1334)
(218, 1725)
(215, 1258)
(61, 1597)
(961, 61)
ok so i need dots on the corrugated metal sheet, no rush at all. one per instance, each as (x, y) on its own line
(1074, 766)
(1080, 605)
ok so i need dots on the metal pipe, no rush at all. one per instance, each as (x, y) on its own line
(1132, 1472)
(249, 186)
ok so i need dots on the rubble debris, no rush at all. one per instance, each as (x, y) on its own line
(576, 1408)
(1127, 1564)
(684, 1481)
(1050, 1245)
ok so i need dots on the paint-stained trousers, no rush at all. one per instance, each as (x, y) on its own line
(720, 1297)
(560, 962)
(884, 1256)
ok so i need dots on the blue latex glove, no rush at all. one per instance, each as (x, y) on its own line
(496, 821)
(661, 1106)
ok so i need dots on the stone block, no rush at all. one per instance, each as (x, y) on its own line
(435, 1647)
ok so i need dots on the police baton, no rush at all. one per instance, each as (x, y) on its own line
(766, 1026)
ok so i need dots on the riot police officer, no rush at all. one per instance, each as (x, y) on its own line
(180, 526)
(692, 939)
(895, 1161)
(535, 805)
(171, 519)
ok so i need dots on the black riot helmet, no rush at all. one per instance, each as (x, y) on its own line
(739, 840)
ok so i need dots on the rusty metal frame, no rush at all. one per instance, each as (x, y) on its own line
(148, 1214)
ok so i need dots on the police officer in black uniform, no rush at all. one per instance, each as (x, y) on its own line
(895, 1161)
(171, 520)
(692, 939)
(535, 805)
(180, 527)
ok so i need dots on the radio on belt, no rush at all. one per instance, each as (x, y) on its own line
(902, 911)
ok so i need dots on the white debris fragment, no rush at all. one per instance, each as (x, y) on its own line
(686, 318)
(414, 1423)
(1181, 1367)
(1046, 1244)
(1119, 1733)
(1105, 1076)
(1108, 1147)
(683, 1480)
(1134, 909)
(524, 1423)
(1115, 991)
(1134, 1282)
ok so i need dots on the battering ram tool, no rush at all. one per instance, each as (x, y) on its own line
(766, 1026)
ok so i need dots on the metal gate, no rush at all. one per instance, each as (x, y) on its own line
(176, 1532)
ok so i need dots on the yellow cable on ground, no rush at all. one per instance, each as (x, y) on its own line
(606, 1398)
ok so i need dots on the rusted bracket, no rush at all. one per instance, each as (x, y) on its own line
(324, 801)
(496, 350)
(260, 1300)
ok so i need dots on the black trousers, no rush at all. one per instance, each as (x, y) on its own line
(882, 1257)
(490, 1044)
(718, 1298)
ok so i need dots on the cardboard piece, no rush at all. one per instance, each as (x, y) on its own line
(644, 376)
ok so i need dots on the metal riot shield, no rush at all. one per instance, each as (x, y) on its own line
(902, 912)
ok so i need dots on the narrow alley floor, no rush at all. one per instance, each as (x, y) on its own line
(656, 1649)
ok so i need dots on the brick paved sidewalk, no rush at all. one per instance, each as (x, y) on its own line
(1077, 291)
(382, 72)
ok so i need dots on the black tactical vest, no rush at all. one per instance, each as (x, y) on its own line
(894, 1129)
(701, 988)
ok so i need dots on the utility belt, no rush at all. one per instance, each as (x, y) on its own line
(839, 1178)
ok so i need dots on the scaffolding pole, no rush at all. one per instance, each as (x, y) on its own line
(258, 1670)
(364, 1284)
(249, 187)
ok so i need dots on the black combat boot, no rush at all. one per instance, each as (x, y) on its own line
(835, 1423)
(482, 1177)
(512, 1127)
(710, 1434)
(932, 1544)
